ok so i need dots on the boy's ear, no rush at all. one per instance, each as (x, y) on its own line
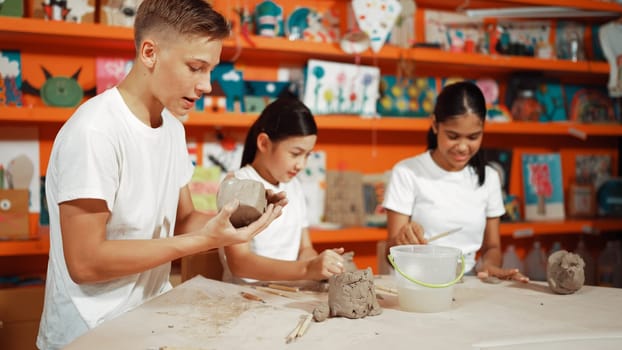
(263, 141)
(148, 53)
(433, 124)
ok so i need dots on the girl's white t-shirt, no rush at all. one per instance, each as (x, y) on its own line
(281, 239)
(441, 200)
(103, 151)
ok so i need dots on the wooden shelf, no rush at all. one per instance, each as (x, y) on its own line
(39, 246)
(514, 229)
(56, 35)
(506, 63)
(590, 5)
(336, 122)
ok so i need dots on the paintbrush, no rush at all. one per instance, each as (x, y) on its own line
(443, 234)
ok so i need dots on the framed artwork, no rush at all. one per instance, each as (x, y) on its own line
(341, 88)
(542, 184)
(581, 200)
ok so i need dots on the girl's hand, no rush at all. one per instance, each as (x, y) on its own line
(279, 198)
(326, 264)
(411, 233)
(504, 274)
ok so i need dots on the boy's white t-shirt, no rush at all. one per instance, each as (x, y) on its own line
(441, 200)
(281, 239)
(103, 151)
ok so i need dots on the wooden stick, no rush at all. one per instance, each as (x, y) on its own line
(305, 325)
(443, 234)
(285, 288)
(271, 291)
(250, 296)
(386, 289)
(292, 335)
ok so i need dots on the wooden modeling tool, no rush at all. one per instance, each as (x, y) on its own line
(271, 291)
(443, 234)
(285, 288)
(250, 296)
(386, 289)
(300, 329)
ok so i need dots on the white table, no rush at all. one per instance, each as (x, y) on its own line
(207, 314)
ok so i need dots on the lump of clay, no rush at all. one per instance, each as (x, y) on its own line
(252, 197)
(352, 294)
(565, 272)
(321, 312)
(349, 264)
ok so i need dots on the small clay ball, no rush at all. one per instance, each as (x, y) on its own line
(565, 272)
(321, 312)
(252, 197)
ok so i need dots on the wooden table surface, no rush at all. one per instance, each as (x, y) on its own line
(208, 314)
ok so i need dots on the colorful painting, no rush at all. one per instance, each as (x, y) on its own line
(589, 104)
(406, 98)
(110, 71)
(542, 185)
(10, 78)
(452, 31)
(374, 186)
(313, 181)
(592, 169)
(494, 110)
(552, 102)
(341, 88)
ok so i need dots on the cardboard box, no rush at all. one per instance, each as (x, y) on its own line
(20, 312)
(14, 214)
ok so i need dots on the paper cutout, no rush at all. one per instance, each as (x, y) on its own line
(376, 18)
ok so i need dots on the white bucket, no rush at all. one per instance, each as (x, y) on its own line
(426, 275)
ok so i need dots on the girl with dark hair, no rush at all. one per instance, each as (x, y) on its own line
(276, 149)
(449, 186)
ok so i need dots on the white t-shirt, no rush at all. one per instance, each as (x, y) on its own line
(441, 200)
(280, 240)
(103, 151)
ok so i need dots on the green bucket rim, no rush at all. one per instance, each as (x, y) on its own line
(425, 284)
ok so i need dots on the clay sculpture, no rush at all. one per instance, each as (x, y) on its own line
(252, 197)
(351, 295)
(565, 272)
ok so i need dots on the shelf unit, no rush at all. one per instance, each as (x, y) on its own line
(36, 35)
(335, 122)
